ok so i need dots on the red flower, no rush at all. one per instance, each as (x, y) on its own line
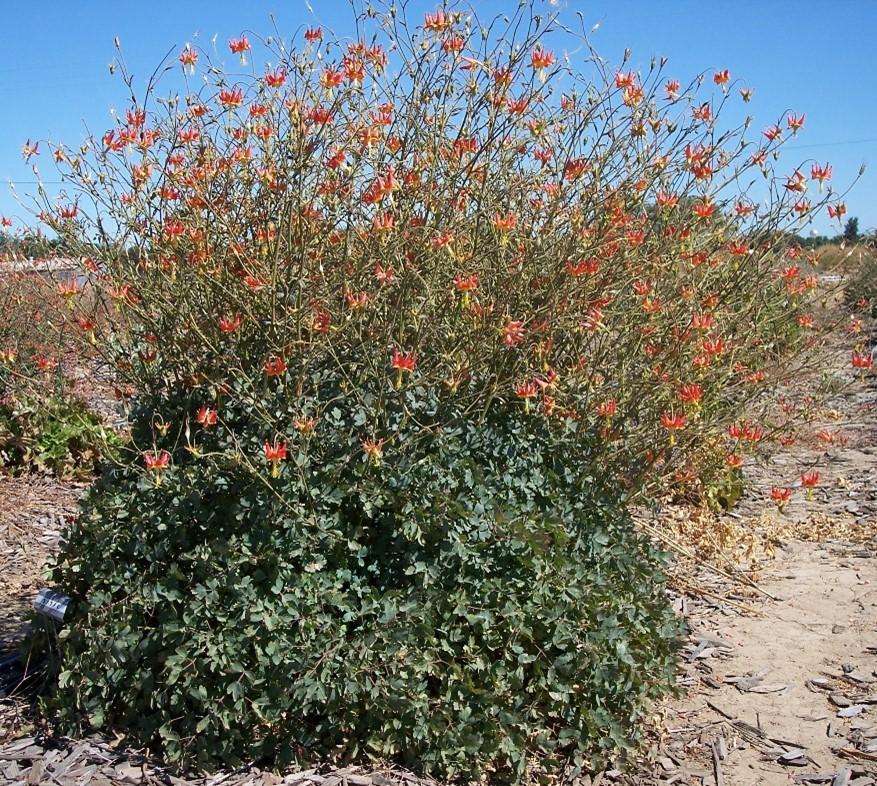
(574, 168)
(704, 208)
(230, 324)
(403, 361)
(275, 78)
(173, 228)
(526, 390)
(466, 283)
(607, 409)
(837, 211)
(374, 449)
(582, 267)
(240, 46)
(231, 97)
(795, 122)
(666, 200)
(541, 59)
(188, 57)
(505, 223)
(206, 416)
(703, 112)
(701, 321)
(773, 133)
(673, 421)
(862, 361)
(437, 22)
(781, 496)
(797, 183)
(156, 463)
(810, 480)
(331, 78)
(275, 366)
(722, 77)
(44, 363)
(314, 34)
(275, 454)
(513, 333)
(320, 115)
(624, 81)
(691, 394)
(820, 172)
(29, 150)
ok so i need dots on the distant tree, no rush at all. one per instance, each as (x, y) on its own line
(851, 230)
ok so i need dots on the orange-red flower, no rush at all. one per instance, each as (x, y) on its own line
(795, 122)
(206, 416)
(403, 361)
(667, 200)
(780, 496)
(704, 208)
(275, 454)
(797, 183)
(188, 57)
(275, 78)
(673, 421)
(722, 77)
(820, 172)
(513, 332)
(305, 425)
(230, 324)
(607, 409)
(505, 223)
(44, 363)
(862, 361)
(156, 462)
(691, 393)
(240, 46)
(231, 97)
(773, 133)
(810, 479)
(29, 150)
(437, 22)
(275, 366)
(541, 59)
(466, 283)
(527, 389)
(837, 211)
(374, 449)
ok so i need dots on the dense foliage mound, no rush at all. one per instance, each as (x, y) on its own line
(410, 318)
(474, 605)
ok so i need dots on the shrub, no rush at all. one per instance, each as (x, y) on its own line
(861, 286)
(60, 435)
(410, 323)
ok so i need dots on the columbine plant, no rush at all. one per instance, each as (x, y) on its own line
(418, 312)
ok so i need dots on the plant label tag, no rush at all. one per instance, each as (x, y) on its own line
(52, 603)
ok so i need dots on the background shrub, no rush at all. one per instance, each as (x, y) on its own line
(59, 435)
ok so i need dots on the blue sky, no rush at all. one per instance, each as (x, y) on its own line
(808, 56)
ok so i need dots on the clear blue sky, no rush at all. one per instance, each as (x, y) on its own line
(808, 56)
